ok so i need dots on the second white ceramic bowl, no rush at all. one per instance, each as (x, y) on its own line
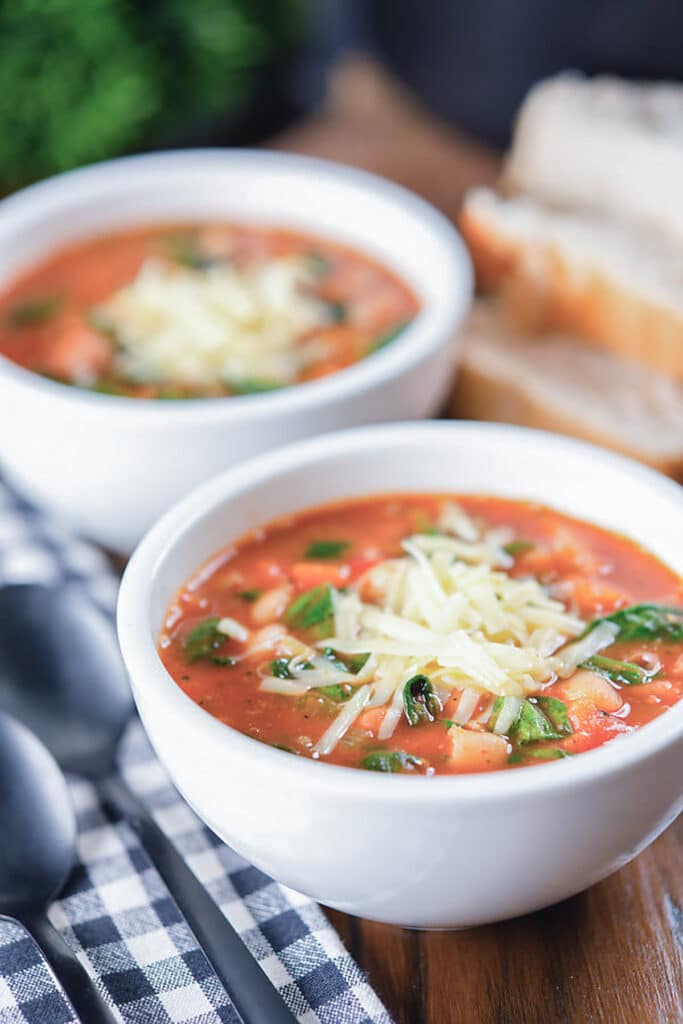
(113, 465)
(424, 852)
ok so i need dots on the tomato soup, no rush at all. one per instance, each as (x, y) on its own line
(425, 634)
(204, 310)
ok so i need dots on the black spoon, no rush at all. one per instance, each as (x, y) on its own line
(37, 851)
(61, 674)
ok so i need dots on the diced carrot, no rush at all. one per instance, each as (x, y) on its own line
(312, 574)
(265, 574)
(75, 352)
(358, 564)
(375, 312)
(592, 727)
(451, 704)
(324, 369)
(594, 598)
(371, 720)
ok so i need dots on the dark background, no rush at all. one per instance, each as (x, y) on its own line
(472, 61)
(84, 81)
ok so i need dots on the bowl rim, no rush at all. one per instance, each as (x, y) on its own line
(147, 670)
(421, 337)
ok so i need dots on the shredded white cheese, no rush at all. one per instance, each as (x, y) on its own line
(453, 616)
(446, 609)
(223, 324)
(233, 628)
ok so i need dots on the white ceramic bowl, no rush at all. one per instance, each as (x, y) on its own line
(446, 851)
(113, 465)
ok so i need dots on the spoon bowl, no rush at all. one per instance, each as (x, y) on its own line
(37, 822)
(61, 674)
(37, 851)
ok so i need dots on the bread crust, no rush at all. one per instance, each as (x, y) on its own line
(482, 394)
(541, 292)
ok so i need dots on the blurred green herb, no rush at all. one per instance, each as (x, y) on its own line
(518, 547)
(204, 641)
(314, 608)
(386, 339)
(84, 81)
(392, 761)
(34, 311)
(646, 622)
(326, 548)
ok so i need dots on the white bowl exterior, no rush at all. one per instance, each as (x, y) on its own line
(112, 466)
(441, 852)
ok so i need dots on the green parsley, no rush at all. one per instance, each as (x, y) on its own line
(314, 608)
(34, 311)
(420, 700)
(518, 547)
(204, 641)
(392, 761)
(326, 548)
(645, 622)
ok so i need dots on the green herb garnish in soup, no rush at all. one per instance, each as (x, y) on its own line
(431, 634)
(200, 311)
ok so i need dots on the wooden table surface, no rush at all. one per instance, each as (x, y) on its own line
(614, 954)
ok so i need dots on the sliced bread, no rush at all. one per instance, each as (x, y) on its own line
(602, 144)
(553, 383)
(580, 273)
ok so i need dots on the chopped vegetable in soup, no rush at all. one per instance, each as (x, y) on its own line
(430, 634)
(200, 311)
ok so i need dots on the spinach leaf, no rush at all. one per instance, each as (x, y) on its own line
(252, 387)
(645, 622)
(556, 713)
(518, 547)
(548, 753)
(338, 692)
(34, 311)
(318, 263)
(337, 312)
(386, 339)
(326, 548)
(314, 608)
(184, 250)
(420, 700)
(171, 395)
(203, 641)
(249, 595)
(391, 761)
(425, 526)
(624, 672)
(349, 663)
(108, 387)
(279, 667)
(532, 725)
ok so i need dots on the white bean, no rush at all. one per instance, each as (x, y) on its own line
(270, 606)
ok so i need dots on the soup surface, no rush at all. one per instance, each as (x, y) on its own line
(188, 311)
(430, 634)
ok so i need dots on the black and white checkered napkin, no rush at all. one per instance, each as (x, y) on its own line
(116, 911)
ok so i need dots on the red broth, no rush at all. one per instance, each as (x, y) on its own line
(51, 322)
(261, 581)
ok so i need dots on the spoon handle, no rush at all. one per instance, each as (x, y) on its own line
(254, 997)
(90, 1006)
